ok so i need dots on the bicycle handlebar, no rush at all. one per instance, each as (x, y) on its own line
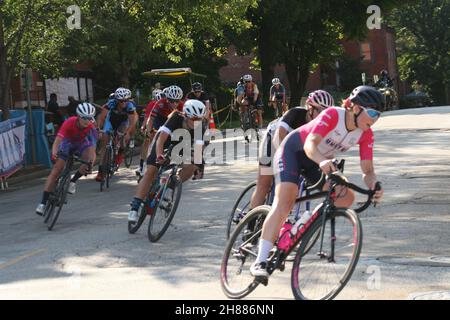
(339, 180)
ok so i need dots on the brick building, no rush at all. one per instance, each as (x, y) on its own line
(377, 52)
(80, 87)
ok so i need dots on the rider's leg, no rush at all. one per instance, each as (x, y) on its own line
(263, 186)
(88, 155)
(144, 150)
(187, 172)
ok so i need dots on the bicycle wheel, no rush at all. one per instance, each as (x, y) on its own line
(240, 253)
(167, 203)
(128, 156)
(60, 197)
(325, 273)
(108, 169)
(134, 226)
(240, 208)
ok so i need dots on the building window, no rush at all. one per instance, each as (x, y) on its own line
(365, 51)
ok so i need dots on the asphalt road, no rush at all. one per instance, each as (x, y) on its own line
(90, 254)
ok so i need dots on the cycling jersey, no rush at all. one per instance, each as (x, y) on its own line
(251, 89)
(71, 132)
(330, 124)
(291, 160)
(149, 108)
(117, 118)
(291, 120)
(162, 110)
(278, 93)
(75, 139)
(203, 97)
(175, 122)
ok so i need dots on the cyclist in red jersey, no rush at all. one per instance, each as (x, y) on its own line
(77, 135)
(147, 131)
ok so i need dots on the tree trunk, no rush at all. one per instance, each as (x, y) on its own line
(297, 76)
(266, 56)
(4, 81)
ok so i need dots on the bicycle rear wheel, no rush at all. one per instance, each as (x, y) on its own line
(165, 208)
(60, 199)
(325, 273)
(240, 253)
(240, 208)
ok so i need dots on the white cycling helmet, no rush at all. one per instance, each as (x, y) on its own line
(173, 93)
(320, 98)
(194, 108)
(159, 95)
(154, 92)
(86, 110)
(276, 81)
(247, 78)
(122, 94)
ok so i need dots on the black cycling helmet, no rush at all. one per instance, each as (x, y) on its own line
(196, 86)
(368, 97)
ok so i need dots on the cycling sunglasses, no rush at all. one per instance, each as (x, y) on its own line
(173, 100)
(86, 118)
(122, 101)
(196, 118)
(373, 114)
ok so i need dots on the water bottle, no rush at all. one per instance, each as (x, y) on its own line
(301, 222)
(285, 239)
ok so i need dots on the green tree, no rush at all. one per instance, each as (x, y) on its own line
(423, 35)
(304, 33)
(32, 34)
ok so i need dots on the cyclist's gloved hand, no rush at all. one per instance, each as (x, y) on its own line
(54, 157)
(327, 166)
(378, 191)
(160, 159)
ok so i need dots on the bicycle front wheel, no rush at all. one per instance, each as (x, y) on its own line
(240, 253)
(240, 208)
(128, 156)
(320, 272)
(165, 208)
(60, 200)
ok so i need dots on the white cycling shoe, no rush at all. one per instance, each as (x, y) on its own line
(259, 269)
(40, 209)
(133, 216)
(72, 188)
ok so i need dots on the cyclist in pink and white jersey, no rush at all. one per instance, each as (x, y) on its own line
(309, 151)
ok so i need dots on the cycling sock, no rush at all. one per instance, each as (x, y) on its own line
(136, 203)
(263, 250)
(45, 197)
(141, 164)
(76, 176)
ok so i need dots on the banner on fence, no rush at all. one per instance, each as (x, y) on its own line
(12, 145)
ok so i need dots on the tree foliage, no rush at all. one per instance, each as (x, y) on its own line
(423, 35)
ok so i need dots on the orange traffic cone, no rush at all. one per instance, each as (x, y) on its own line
(212, 125)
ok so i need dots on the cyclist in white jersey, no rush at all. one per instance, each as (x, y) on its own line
(313, 146)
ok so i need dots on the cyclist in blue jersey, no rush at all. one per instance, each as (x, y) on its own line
(119, 114)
